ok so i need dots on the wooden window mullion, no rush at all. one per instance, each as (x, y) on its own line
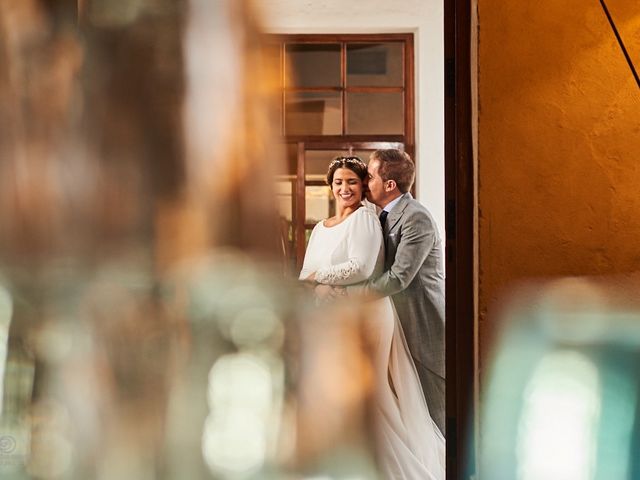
(314, 89)
(409, 97)
(300, 206)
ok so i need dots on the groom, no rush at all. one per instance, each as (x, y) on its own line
(414, 272)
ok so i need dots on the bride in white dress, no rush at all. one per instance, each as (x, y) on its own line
(347, 249)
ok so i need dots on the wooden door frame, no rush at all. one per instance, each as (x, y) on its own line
(460, 205)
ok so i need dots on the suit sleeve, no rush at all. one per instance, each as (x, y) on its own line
(417, 239)
(364, 243)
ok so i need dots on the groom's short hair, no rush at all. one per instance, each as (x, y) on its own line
(397, 166)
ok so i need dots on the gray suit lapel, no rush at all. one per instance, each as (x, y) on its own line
(396, 213)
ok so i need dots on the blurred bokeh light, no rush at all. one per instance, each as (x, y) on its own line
(561, 395)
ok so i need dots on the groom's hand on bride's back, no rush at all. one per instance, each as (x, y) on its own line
(363, 290)
(329, 292)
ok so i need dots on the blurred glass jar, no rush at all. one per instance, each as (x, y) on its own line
(561, 396)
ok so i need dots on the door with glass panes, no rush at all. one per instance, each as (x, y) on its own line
(339, 95)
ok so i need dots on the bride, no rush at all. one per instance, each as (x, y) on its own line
(346, 249)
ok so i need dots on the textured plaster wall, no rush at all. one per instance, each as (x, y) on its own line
(558, 145)
(422, 17)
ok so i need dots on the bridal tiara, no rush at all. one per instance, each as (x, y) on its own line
(350, 159)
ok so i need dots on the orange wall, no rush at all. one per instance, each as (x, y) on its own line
(558, 145)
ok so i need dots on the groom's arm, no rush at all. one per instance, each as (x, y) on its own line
(417, 240)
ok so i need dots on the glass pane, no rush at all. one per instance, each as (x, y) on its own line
(375, 113)
(288, 167)
(284, 191)
(285, 182)
(285, 194)
(319, 204)
(317, 162)
(375, 64)
(313, 65)
(313, 113)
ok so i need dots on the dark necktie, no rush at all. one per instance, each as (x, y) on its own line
(383, 218)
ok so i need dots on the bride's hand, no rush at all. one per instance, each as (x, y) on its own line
(311, 278)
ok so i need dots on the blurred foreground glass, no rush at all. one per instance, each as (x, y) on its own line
(561, 400)
(146, 327)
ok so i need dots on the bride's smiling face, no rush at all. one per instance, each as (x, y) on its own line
(347, 187)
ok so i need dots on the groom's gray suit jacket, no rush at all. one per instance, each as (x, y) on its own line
(414, 278)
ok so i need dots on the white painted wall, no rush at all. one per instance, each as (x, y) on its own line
(425, 18)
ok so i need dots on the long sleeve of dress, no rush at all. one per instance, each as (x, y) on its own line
(364, 247)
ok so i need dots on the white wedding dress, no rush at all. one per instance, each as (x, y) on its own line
(409, 444)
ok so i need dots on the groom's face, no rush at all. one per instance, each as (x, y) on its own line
(375, 184)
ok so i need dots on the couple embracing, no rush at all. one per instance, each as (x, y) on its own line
(397, 259)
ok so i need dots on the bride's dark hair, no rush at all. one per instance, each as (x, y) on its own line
(355, 164)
